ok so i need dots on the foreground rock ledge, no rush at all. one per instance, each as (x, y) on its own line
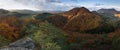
(15, 48)
(22, 44)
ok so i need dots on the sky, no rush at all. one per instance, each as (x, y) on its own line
(58, 5)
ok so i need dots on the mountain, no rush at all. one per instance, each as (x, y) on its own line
(3, 12)
(75, 11)
(107, 12)
(81, 20)
(34, 12)
(24, 11)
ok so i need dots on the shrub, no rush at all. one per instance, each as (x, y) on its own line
(116, 42)
(116, 39)
(45, 41)
(3, 41)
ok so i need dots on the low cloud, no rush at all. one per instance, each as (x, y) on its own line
(11, 4)
(47, 5)
(51, 5)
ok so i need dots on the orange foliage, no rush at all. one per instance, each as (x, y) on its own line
(113, 34)
(10, 27)
(8, 32)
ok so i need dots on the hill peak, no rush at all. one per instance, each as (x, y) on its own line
(76, 12)
(80, 10)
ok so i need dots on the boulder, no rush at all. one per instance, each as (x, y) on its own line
(15, 48)
(24, 43)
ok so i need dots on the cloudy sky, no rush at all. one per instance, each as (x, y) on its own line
(58, 5)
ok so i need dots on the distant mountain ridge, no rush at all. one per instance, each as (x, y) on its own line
(33, 12)
(24, 11)
(3, 12)
(107, 12)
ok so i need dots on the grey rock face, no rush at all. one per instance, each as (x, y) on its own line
(24, 43)
(15, 48)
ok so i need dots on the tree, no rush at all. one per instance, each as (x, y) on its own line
(10, 27)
